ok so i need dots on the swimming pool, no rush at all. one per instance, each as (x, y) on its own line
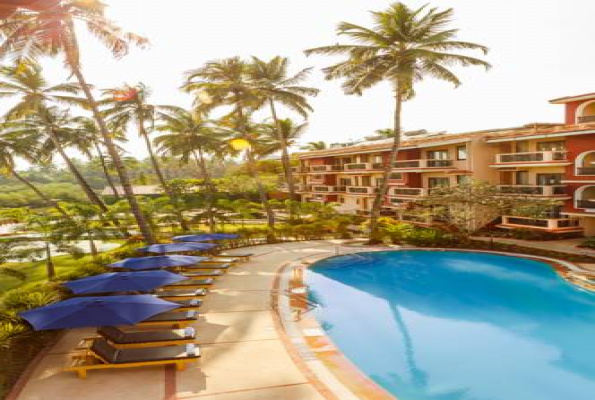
(457, 325)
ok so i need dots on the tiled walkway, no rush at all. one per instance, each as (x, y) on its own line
(243, 355)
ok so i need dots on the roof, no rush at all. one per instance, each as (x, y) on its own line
(570, 99)
(542, 131)
(139, 190)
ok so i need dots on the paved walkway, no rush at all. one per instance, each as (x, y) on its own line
(244, 355)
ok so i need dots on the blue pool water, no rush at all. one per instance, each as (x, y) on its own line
(459, 326)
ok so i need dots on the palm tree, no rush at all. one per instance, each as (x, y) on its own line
(226, 83)
(313, 146)
(26, 147)
(272, 82)
(404, 46)
(287, 129)
(128, 106)
(191, 137)
(29, 34)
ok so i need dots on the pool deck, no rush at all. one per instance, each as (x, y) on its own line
(246, 353)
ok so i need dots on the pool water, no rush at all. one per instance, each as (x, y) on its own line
(459, 326)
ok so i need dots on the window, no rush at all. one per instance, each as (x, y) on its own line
(462, 152)
(366, 181)
(342, 199)
(378, 159)
(344, 182)
(521, 178)
(521, 147)
(396, 176)
(437, 155)
(438, 182)
(549, 179)
(463, 180)
(558, 145)
(364, 158)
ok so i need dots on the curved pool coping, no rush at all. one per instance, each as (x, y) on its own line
(325, 360)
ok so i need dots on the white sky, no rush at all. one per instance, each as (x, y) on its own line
(540, 49)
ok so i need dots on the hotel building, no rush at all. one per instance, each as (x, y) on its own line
(541, 161)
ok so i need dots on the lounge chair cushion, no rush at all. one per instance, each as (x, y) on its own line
(214, 272)
(112, 355)
(174, 317)
(182, 293)
(236, 254)
(191, 282)
(206, 266)
(115, 335)
(188, 303)
(223, 260)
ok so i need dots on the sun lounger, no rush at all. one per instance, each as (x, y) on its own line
(219, 260)
(175, 319)
(173, 295)
(243, 256)
(190, 284)
(205, 267)
(102, 355)
(187, 305)
(123, 340)
(213, 273)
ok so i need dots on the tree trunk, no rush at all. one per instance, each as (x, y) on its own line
(262, 193)
(39, 193)
(91, 195)
(72, 60)
(49, 264)
(108, 178)
(285, 160)
(200, 161)
(92, 245)
(382, 190)
(174, 199)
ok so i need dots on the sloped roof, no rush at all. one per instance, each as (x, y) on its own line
(569, 99)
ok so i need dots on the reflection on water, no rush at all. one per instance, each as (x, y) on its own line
(459, 326)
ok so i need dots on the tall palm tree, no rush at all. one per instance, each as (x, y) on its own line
(129, 106)
(287, 129)
(313, 146)
(272, 82)
(191, 137)
(29, 34)
(404, 46)
(226, 83)
(26, 147)
(56, 126)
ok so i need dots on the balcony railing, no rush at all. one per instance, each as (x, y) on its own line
(533, 190)
(548, 224)
(298, 170)
(411, 192)
(327, 189)
(585, 171)
(536, 156)
(357, 166)
(418, 164)
(325, 168)
(586, 119)
(361, 189)
(585, 204)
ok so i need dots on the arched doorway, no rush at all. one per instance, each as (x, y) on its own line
(585, 163)
(584, 197)
(586, 112)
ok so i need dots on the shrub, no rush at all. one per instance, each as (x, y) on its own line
(589, 243)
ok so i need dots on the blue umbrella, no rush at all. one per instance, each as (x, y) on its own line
(174, 247)
(123, 282)
(206, 237)
(156, 262)
(80, 312)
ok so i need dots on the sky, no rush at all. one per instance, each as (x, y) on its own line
(540, 49)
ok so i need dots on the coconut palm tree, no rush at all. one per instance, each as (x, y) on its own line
(225, 83)
(272, 82)
(191, 137)
(313, 146)
(404, 46)
(13, 145)
(129, 106)
(31, 33)
(287, 129)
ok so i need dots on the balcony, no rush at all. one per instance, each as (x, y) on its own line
(423, 164)
(408, 192)
(298, 170)
(363, 190)
(586, 119)
(327, 189)
(325, 168)
(585, 171)
(356, 167)
(546, 158)
(587, 204)
(554, 225)
(533, 190)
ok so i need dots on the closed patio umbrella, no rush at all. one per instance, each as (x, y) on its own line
(123, 282)
(81, 312)
(176, 247)
(156, 262)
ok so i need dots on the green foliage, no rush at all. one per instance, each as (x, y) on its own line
(588, 243)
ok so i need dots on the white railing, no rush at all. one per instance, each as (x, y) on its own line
(357, 166)
(360, 189)
(546, 224)
(407, 192)
(533, 190)
(533, 156)
(418, 164)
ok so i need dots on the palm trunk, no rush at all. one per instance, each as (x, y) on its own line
(91, 195)
(200, 161)
(261, 192)
(382, 190)
(39, 193)
(174, 199)
(108, 178)
(92, 246)
(285, 160)
(72, 59)
(49, 264)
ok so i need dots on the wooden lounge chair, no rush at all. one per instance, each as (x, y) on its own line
(174, 295)
(102, 355)
(124, 340)
(243, 256)
(187, 305)
(205, 267)
(221, 260)
(175, 319)
(212, 273)
(190, 284)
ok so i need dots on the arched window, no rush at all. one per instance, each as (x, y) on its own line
(586, 112)
(584, 197)
(585, 163)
